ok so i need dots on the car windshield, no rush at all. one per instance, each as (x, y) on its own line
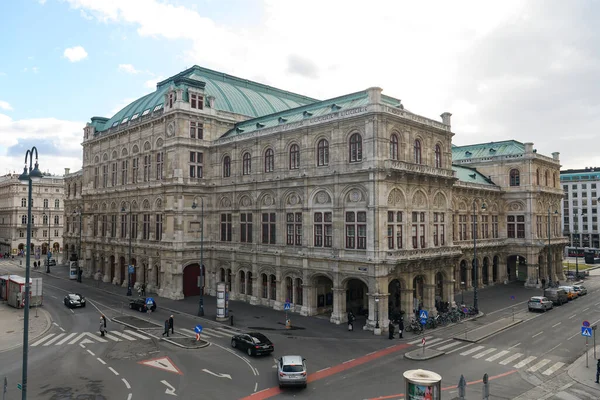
(293, 368)
(74, 297)
(258, 338)
(534, 300)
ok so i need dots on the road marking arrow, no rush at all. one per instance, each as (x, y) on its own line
(170, 389)
(217, 375)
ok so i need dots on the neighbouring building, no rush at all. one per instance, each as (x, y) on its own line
(348, 203)
(72, 214)
(46, 216)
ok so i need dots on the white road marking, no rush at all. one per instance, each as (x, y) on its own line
(537, 334)
(113, 371)
(512, 347)
(419, 340)
(92, 353)
(473, 350)
(82, 346)
(55, 324)
(484, 353)
(255, 386)
(373, 352)
(596, 304)
(511, 358)
(66, 338)
(585, 309)
(538, 365)
(219, 333)
(136, 334)
(555, 325)
(43, 339)
(126, 383)
(448, 346)
(432, 341)
(346, 362)
(54, 297)
(324, 369)
(459, 348)
(124, 336)
(60, 327)
(54, 339)
(553, 368)
(101, 360)
(129, 396)
(524, 362)
(573, 316)
(497, 356)
(70, 309)
(113, 338)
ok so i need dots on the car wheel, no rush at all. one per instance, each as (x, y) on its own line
(530, 309)
(304, 386)
(250, 352)
(131, 306)
(83, 305)
(233, 343)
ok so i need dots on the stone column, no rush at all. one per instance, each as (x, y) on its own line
(429, 298)
(448, 291)
(309, 306)
(469, 282)
(233, 286)
(378, 311)
(106, 269)
(339, 306)
(255, 298)
(279, 296)
(406, 303)
(533, 277)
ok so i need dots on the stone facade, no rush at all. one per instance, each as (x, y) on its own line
(351, 203)
(47, 216)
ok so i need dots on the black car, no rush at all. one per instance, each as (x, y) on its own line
(140, 304)
(254, 343)
(73, 300)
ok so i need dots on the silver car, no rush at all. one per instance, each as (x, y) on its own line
(581, 290)
(539, 303)
(291, 371)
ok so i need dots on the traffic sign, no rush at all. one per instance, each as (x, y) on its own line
(287, 306)
(587, 332)
(423, 315)
(512, 297)
(586, 324)
(423, 341)
(198, 329)
(149, 301)
(131, 269)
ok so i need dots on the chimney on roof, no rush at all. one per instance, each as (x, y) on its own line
(67, 171)
(374, 94)
(555, 155)
(446, 118)
(528, 148)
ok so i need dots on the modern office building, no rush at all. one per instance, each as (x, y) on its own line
(348, 203)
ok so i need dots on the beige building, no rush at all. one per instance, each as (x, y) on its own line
(348, 203)
(72, 214)
(46, 216)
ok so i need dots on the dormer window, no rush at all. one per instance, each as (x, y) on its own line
(115, 124)
(135, 116)
(335, 107)
(282, 120)
(307, 114)
(158, 107)
(146, 112)
(259, 125)
(196, 101)
(468, 153)
(172, 98)
(125, 120)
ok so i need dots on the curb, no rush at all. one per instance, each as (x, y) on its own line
(436, 353)
(579, 363)
(203, 344)
(477, 340)
(31, 339)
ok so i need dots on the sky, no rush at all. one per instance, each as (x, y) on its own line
(522, 70)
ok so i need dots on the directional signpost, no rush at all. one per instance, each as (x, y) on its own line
(198, 330)
(423, 316)
(586, 331)
(287, 306)
(149, 302)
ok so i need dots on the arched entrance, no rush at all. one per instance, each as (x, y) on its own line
(485, 274)
(394, 303)
(495, 276)
(44, 248)
(191, 273)
(418, 291)
(516, 268)
(356, 297)
(324, 292)
(123, 268)
(55, 247)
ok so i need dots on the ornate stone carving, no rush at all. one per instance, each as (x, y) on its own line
(355, 196)
(246, 202)
(323, 197)
(419, 199)
(515, 206)
(268, 200)
(439, 201)
(396, 198)
(293, 199)
(171, 129)
(226, 202)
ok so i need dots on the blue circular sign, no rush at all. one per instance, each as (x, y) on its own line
(198, 329)
(586, 324)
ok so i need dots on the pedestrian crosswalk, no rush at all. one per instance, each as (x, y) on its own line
(508, 357)
(208, 333)
(58, 339)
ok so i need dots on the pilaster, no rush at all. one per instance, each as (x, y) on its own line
(338, 315)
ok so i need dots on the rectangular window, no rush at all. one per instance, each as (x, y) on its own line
(495, 227)
(45, 233)
(146, 168)
(104, 222)
(520, 226)
(539, 226)
(56, 232)
(159, 227)
(422, 236)
(226, 228)
(268, 228)
(146, 227)
(123, 226)
(113, 176)
(134, 226)
(196, 159)
(294, 229)
(196, 101)
(159, 165)
(323, 229)
(124, 167)
(104, 175)
(95, 225)
(134, 171)
(96, 177)
(438, 225)
(196, 130)
(510, 226)
(113, 226)
(415, 236)
(246, 227)
(485, 228)
(356, 230)
(192, 130)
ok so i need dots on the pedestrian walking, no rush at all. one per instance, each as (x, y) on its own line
(598, 372)
(166, 328)
(400, 328)
(103, 318)
(391, 330)
(171, 324)
(102, 328)
(351, 319)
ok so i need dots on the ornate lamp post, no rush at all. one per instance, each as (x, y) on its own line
(48, 248)
(130, 259)
(28, 177)
(201, 283)
(79, 213)
(475, 269)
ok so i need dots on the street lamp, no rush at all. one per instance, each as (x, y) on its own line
(377, 312)
(475, 279)
(462, 293)
(78, 212)
(549, 253)
(201, 283)
(48, 248)
(28, 177)
(130, 259)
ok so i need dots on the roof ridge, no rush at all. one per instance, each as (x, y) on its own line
(487, 143)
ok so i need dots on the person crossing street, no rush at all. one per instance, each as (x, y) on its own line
(171, 324)
(102, 328)
(166, 328)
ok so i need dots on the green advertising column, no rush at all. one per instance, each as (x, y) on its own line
(422, 385)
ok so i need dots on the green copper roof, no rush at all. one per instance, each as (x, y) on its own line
(232, 94)
(483, 150)
(313, 110)
(470, 175)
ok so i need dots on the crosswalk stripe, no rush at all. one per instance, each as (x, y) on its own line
(419, 340)
(553, 368)
(54, 339)
(113, 338)
(219, 333)
(42, 340)
(136, 334)
(124, 336)
(538, 365)
(497, 356)
(432, 341)
(459, 348)
(69, 336)
(483, 353)
(449, 346)
(524, 362)
(473, 350)
(189, 332)
(511, 358)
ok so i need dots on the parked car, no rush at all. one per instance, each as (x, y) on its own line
(73, 300)
(571, 294)
(291, 371)
(140, 304)
(557, 296)
(539, 303)
(254, 343)
(580, 289)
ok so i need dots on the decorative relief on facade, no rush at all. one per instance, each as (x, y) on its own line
(293, 199)
(245, 201)
(462, 206)
(159, 204)
(171, 129)
(136, 149)
(268, 200)
(355, 196)
(439, 201)
(113, 206)
(396, 198)
(146, 204)
(159, 142)
(105, 157)
(225, 202)
(322, 197)
(515, 206)
(419, 200)
(114, 155)
(124, 152)
(147, 146)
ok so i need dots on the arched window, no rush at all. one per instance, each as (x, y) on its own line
(269, 160)
(438, 156)
(417, 151)
(23, 202)
(246, 164)
(394, 147)
(355, 148)
(45, 203)
(227, 167)
(75, 189)
(24, 219)
(537, 176)
(242, 282)
(554, 179)
(322, 153)
(546, 178)
(294, 156)
(514, 177)
(56, 203)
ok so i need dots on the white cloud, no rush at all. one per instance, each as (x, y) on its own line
(151, 83)
(42, 2)
(128, 68)
(75, 54)
(5, 106)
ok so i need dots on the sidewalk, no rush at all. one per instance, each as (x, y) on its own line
(586, 376)
(11, 325)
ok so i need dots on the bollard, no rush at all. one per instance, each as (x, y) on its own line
(462, 388)
(231, 319)
(288, 323)
(486, 387)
